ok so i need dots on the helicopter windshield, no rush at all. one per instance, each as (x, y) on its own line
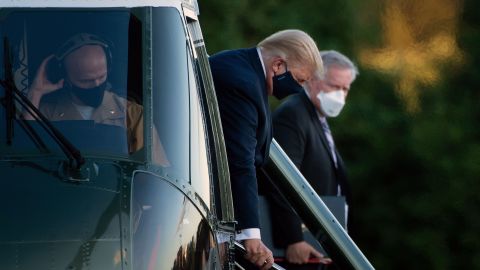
(94, 75)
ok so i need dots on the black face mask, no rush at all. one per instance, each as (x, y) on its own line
(92, 97)
(285, 85)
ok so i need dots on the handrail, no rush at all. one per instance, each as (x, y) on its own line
(313, 211)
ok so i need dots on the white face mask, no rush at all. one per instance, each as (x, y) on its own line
(331, 103)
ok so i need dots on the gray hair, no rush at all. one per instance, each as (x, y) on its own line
(333, 58)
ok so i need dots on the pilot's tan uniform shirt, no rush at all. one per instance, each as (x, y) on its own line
(114, 110)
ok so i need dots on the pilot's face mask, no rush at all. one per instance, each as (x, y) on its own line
(92, 97)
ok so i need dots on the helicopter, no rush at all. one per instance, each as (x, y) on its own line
(93, 194)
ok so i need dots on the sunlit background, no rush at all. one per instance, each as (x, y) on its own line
(418, 39)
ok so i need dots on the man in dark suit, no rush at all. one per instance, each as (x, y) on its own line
(301, 128)
(243, 80)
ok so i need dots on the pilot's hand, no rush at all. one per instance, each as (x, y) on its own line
(258, 253)
(41, 85)
(301, 252)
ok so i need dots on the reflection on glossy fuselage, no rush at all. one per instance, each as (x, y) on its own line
(170, 231)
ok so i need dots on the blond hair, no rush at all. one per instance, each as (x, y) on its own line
(295, 46)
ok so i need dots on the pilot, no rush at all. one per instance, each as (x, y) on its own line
(83, 92)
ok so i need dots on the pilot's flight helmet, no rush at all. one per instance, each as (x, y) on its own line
(56, 68)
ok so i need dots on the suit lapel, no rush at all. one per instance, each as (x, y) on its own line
(340, 172)
(316, 123)
(256, 63)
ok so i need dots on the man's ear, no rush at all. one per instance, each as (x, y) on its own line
(277, 64)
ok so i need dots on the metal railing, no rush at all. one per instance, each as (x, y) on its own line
(313, 211)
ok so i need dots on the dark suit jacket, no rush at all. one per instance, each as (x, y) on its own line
(241, 91)
(298, 131)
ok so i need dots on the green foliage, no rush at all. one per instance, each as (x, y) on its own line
(415, 176)
(243, 23)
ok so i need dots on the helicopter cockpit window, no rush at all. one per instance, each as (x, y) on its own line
(77, 74)
(86, 72)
